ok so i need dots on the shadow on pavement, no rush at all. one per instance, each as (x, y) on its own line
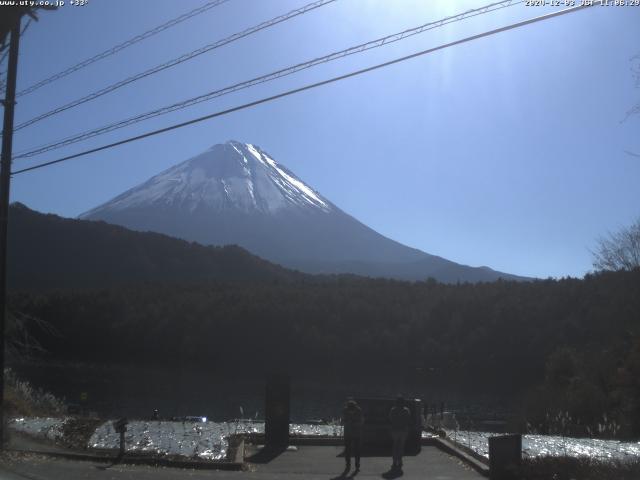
(265, 455)
(115, 461)
(393, 473)
(345, 475)
(105, 467)
(380, 452)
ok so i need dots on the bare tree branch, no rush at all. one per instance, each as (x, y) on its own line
(619, 250)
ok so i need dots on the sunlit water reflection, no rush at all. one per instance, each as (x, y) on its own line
(208, 440)
(201, 440)
(553, 445)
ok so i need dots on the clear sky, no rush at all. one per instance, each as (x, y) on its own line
(509, 151)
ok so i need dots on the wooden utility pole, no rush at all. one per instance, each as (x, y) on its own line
(9, 25)
(5, 182)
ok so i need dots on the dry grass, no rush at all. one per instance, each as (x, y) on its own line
(567, 468)
(23, 399)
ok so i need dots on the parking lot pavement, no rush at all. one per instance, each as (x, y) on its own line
(307, 462)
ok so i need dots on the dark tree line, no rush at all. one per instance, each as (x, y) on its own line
(573, 345)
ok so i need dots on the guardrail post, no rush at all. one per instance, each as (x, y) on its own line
(276, 427)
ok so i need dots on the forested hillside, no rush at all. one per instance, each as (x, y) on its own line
(48, 251)
(577, 341)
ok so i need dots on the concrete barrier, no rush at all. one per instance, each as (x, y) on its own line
(505, 457)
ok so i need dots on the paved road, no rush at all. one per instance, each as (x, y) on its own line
(304, 463)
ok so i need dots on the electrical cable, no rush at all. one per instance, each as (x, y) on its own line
(121, 46)
(265, 78)
(176, 61)
(306, 87)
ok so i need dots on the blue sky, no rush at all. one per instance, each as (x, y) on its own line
(508, 151)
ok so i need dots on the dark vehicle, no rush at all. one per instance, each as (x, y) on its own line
(376, 431)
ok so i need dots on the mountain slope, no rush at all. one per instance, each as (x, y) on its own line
(47, 251)
(235, 193)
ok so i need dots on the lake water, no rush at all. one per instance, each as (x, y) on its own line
(202, 440)
(208, 440)
(554, 446)
(135, 391)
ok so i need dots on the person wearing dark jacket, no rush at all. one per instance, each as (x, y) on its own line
(400, 417)
(352, 421)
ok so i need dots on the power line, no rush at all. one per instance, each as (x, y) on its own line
(306, 87)
(269, 77)
(121, 46)
(176, 61)
(25, 27)
(266, 78)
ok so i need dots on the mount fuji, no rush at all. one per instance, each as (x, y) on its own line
(235, 193)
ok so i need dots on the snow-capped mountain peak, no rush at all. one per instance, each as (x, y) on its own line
(235, 193)
(229, 176)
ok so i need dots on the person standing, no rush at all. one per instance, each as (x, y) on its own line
(400, 417)
(352, 421)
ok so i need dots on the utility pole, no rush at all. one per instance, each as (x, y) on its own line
(5, 182)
